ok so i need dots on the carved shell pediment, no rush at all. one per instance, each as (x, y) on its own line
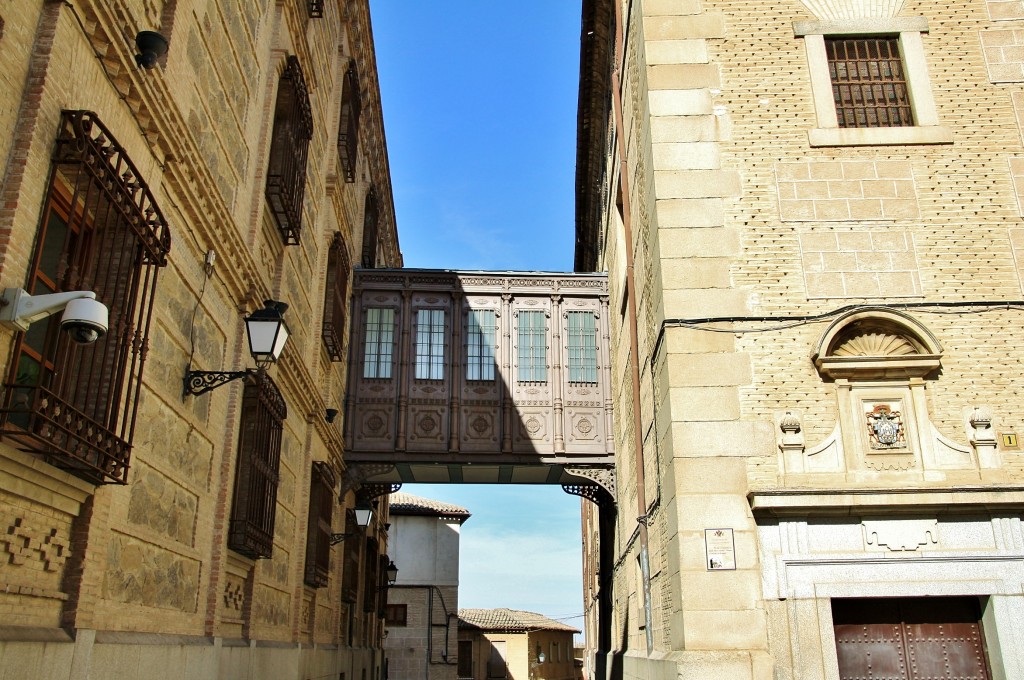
(875, 343)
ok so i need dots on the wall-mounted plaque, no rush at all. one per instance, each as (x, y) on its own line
(720, 549)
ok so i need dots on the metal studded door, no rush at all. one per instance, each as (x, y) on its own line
(910, 639)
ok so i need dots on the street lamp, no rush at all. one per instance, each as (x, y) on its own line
(364, 514)
(392, 573)
(267, 333)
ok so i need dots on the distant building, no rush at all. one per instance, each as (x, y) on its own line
(421, 612)
(500, 644)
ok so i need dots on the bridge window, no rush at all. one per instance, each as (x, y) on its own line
(480, 345)
(533, 337)
(380, 340)
(429, 344)
(254, 506)
(582, 347)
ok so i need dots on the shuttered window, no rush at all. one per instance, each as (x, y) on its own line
(429, 344)
(480, 344)
(318, 525)
(582, 346)
(336, 298)
(371, 577)
(348, 128)
(101, 231)
(254, 506)
(533, 338)
(289, 146)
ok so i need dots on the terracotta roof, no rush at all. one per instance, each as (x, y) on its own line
(509, 620)
(407, 504)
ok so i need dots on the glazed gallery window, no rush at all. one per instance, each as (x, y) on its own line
(318, 525)
(254, 506)
(336, 298)
(429, 344)
(100, 230)
(482, 328)
(379, 344)
(289, 145)
(869, 82)
(582, 346)
(532, 347)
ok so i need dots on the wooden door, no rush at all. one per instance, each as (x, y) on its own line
(910, 639)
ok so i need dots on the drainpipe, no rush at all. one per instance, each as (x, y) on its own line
(634, 363)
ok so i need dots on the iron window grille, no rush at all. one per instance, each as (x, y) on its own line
(370, 217)
(336, 298)
(289, 146)
(100, 230)
(381, 591)
(430, 344)
(316, 9)
(868, 82)
(371, 578)
(380, 342)
(480, 344)
(582, 347)
(533, 337)
(348, 128)
(318, 528)
(350, 573)
(254, 507)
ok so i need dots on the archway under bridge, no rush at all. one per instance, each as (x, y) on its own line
(481, 378)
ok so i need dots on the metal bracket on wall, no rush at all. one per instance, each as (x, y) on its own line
(597, 484)
(356, 475)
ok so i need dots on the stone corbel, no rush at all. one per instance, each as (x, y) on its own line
(982, 436)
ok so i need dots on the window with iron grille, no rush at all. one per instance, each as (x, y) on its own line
(100, 230)
(429, 344)
(348, 128)
(868, 83)
(289, 145)
(465, 668)
(336, 298)
(582, 345)
(396, 615)
(370, 577)
(480, 344)
(254, 507)
(350, 560)
(318, 525)
(379, 346)
(370, 218)
(533, 339)
(382, 585)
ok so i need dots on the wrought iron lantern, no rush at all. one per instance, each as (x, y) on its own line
(267, 333)
(364, 515)
(392, 573)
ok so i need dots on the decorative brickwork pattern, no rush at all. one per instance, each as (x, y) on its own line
(846, 190)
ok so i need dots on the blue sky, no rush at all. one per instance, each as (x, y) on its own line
(480, 115)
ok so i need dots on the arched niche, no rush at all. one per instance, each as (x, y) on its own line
(877, 343)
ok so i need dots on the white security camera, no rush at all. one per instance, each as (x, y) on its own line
(85, 318)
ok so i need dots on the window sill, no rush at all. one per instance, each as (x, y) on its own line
(933, 134)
